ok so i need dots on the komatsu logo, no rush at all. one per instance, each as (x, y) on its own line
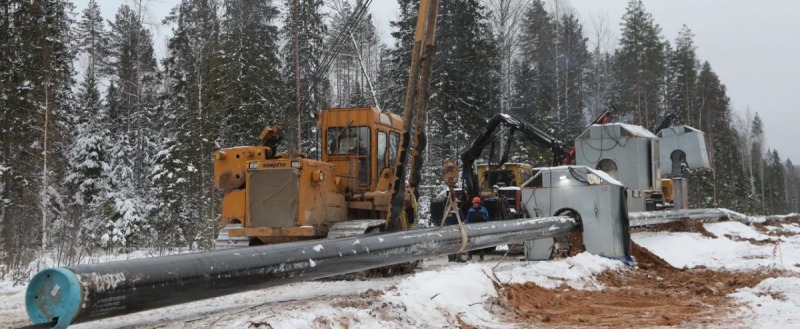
(275, 165)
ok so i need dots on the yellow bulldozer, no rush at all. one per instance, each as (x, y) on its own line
(357, 186)
(273, 197)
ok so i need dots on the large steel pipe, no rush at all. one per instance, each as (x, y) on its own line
(639, 219)
(95, 291)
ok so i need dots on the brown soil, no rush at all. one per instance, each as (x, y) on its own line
(685, 225)
(463, 324)
(780, 232)
(655, 294)
(751, 240)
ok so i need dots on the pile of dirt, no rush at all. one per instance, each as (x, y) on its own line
(684, 225)
(648, 260)
(655, 294)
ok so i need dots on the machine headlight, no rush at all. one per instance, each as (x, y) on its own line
(296, 164)
(252, 165)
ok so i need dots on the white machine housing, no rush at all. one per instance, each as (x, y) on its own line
(686, 140)
(597, 199)
(629, 153)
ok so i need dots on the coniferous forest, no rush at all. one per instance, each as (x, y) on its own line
(107, 145)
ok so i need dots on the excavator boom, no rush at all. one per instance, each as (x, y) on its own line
(535, 135)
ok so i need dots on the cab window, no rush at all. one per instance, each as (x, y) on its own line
(394, 146)
(352, 141)
(381, 151)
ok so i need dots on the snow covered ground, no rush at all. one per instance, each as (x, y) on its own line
(775, 302)
(442, 294)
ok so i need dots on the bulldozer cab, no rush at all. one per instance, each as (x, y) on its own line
(362, 143)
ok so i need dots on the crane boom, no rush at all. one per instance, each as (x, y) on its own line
(414, 117)
(535, 135)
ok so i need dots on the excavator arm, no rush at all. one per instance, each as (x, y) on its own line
(535, 135)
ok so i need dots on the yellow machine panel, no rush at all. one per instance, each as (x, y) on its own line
(509, 174)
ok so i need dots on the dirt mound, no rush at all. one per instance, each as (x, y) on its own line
(684, 225)
(655, 294)
(648, 260)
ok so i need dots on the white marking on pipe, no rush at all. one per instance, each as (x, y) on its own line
(311, 261)
(318, 248)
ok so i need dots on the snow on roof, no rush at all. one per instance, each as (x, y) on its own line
(677, 130)
(607, 131)
(635, 130)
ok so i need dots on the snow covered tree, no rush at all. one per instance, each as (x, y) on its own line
(194, 104)
(353, 72)
(640, 66)
(131, 104)
(465, 80)
(572, 63)
(88, 177)
(506, 21)
(92, 38)
(254, 95)
(682, 72)
(535, 97)
(304, 31)
(35, 100)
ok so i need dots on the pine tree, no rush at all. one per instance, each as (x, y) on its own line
(394, 77)
(640, 66)
(304, 28)
(775, 178)
(250, 71)
(193, 102)
(35, 85)
(682, 72)
(92, 38)
(89, 169)
(535, 100)
(131, 104)
(573, 61)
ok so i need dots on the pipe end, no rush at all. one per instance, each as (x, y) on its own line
(53, 296)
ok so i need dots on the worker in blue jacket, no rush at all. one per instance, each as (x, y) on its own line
(477, 214)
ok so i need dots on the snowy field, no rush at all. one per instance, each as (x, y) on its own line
(449, 295)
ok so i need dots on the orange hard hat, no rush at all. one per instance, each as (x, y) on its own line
(476, 200)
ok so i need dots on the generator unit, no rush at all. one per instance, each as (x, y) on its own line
(592, 197)
(682, 148)
(628, 153)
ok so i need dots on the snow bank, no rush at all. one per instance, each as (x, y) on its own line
(434, 298)
(773, 303)
(577, 272)
(735, 253)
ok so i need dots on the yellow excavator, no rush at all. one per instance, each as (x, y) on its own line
(358, 185)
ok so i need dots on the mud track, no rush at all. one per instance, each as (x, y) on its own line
(654, 294)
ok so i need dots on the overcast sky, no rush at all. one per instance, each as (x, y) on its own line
(752, 45)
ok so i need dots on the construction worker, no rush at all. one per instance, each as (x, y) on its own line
(477, 214)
